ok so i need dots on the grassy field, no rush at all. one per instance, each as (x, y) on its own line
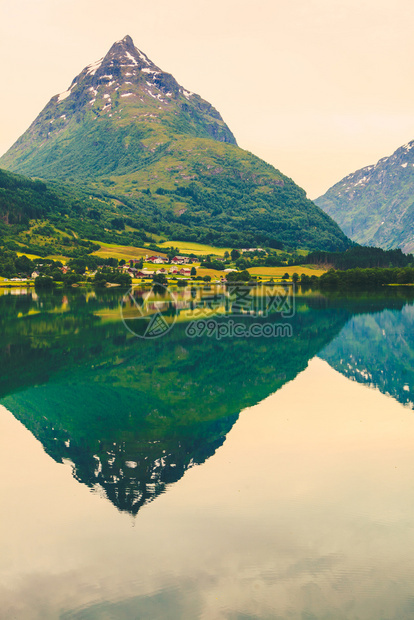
(63, 259)
(110, 250)
(214, 273)
(188, 247)
(278, 272)
(31, 256)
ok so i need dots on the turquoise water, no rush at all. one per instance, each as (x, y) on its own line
(178, 477)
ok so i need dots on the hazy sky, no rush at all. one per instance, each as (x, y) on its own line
(318, 88)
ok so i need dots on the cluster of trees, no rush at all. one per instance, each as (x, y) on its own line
(306, 280)
(246, 260)
(358, 278)
(238, 276)
(52, 218)
(50, 271)
(366, 278)
(210, 263)
(13, 266)
(112, 276)
(360, 256)
(256, 208)
(230, 208)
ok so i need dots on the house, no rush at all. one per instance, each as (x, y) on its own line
(35, 274)
(181, 260)
(143, 273)
(158, 260)
(185, 272)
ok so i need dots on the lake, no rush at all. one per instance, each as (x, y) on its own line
(179, 458)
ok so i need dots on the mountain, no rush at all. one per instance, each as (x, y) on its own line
(377, 350)
(375, 205)
(114, 117)
(130, 133)
(132, 415)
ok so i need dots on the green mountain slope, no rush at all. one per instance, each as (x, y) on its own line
(375, 205)
(128, 130)
(55, 218)
(133, 415)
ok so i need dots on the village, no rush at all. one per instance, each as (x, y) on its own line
(136, 268)
(175, 269)
(132, 267)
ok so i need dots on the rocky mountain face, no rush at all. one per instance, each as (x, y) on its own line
(124, 97)
(375, 205)
(130, 132)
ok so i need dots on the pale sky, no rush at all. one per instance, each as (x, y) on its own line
(318, 88)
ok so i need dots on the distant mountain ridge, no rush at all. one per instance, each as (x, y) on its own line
(375, 205)
(127, 129)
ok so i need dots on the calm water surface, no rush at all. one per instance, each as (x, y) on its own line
(186, 478)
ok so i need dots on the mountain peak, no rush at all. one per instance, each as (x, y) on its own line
(124, 51)
(374, 205)
(123, 44)
(123, 92)
(126, 87)
(126, 41)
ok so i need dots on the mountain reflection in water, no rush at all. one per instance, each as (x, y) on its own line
(133, 415)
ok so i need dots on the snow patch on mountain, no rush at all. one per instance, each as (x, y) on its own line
(143, 57)
(131, 58)
(66, 94)
(93, 68)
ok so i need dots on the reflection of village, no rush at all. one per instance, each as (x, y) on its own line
(209, 300)
(189, 300)
(19, 291)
